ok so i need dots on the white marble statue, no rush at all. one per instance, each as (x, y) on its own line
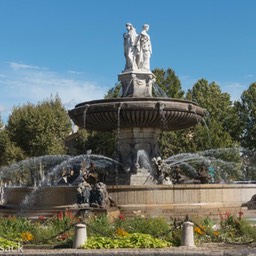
(144, 49)
(130, 50)
(137, 48)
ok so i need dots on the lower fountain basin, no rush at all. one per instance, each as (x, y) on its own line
(161, 113)
(169, 201)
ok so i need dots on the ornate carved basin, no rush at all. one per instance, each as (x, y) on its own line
(161, 113)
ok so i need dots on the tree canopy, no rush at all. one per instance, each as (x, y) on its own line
(218, 126)
(246, 109)
(39, 129)
(169, 82)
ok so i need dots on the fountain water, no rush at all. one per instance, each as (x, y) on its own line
(36, 186)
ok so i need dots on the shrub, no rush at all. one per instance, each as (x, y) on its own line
(135, 240)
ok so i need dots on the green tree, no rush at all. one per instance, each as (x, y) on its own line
(40, 129)
(171, 143)
(175, 142)
(3, 142)
(218, 125)
(246, 109)
(114, 92)
(218, 129)
(168, 81)
(102, 143)
(9, 151)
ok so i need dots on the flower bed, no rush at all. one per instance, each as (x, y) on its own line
(121, 232)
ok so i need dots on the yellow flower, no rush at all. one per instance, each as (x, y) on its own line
(216, 233)
(121, 232)
(199, 230)
(26, 236)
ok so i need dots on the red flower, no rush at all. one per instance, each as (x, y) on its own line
(121, 217)
(59, 215)
(240, 214)
(227, 215)
(41, 217)
(68, 214)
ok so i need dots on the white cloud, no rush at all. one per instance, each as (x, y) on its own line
(2, 108)
(249, 76)
(25, 83)
(17, 66)
(75, 72)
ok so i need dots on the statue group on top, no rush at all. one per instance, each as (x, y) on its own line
(137, 48)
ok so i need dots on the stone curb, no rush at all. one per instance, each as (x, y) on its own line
(174, 251)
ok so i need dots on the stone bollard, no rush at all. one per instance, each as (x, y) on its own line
(80, 235)
(188, 234)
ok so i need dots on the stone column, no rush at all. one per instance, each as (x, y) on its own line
(80, 235)
(135, 141)
(188, 234)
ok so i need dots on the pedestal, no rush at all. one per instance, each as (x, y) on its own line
(136, 83)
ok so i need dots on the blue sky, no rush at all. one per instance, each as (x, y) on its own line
(75, 47)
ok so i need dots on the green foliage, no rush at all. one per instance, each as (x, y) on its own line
(42, 231)
(219, 128)
(100, 226)
(12, 228)
(135, 240)
(12, 153)
(6, 244)
(169, 82)
(114, 92)
(153, 226)
(101, 143)
(236, 230)
(175, 142)
(136, 232)
(230, 229)
(58, 229)
(246, 109)
(39, 129)
(4, 140)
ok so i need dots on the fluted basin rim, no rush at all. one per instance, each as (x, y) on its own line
(162, 113)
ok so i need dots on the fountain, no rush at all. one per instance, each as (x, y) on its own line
(135, 181)
(139, 117)
(42, 186)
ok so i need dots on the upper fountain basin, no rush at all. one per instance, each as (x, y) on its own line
(163, 113)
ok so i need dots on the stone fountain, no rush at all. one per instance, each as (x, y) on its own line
(139, 116)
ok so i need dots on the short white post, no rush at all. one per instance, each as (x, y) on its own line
(80, 235)
(188, 234)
